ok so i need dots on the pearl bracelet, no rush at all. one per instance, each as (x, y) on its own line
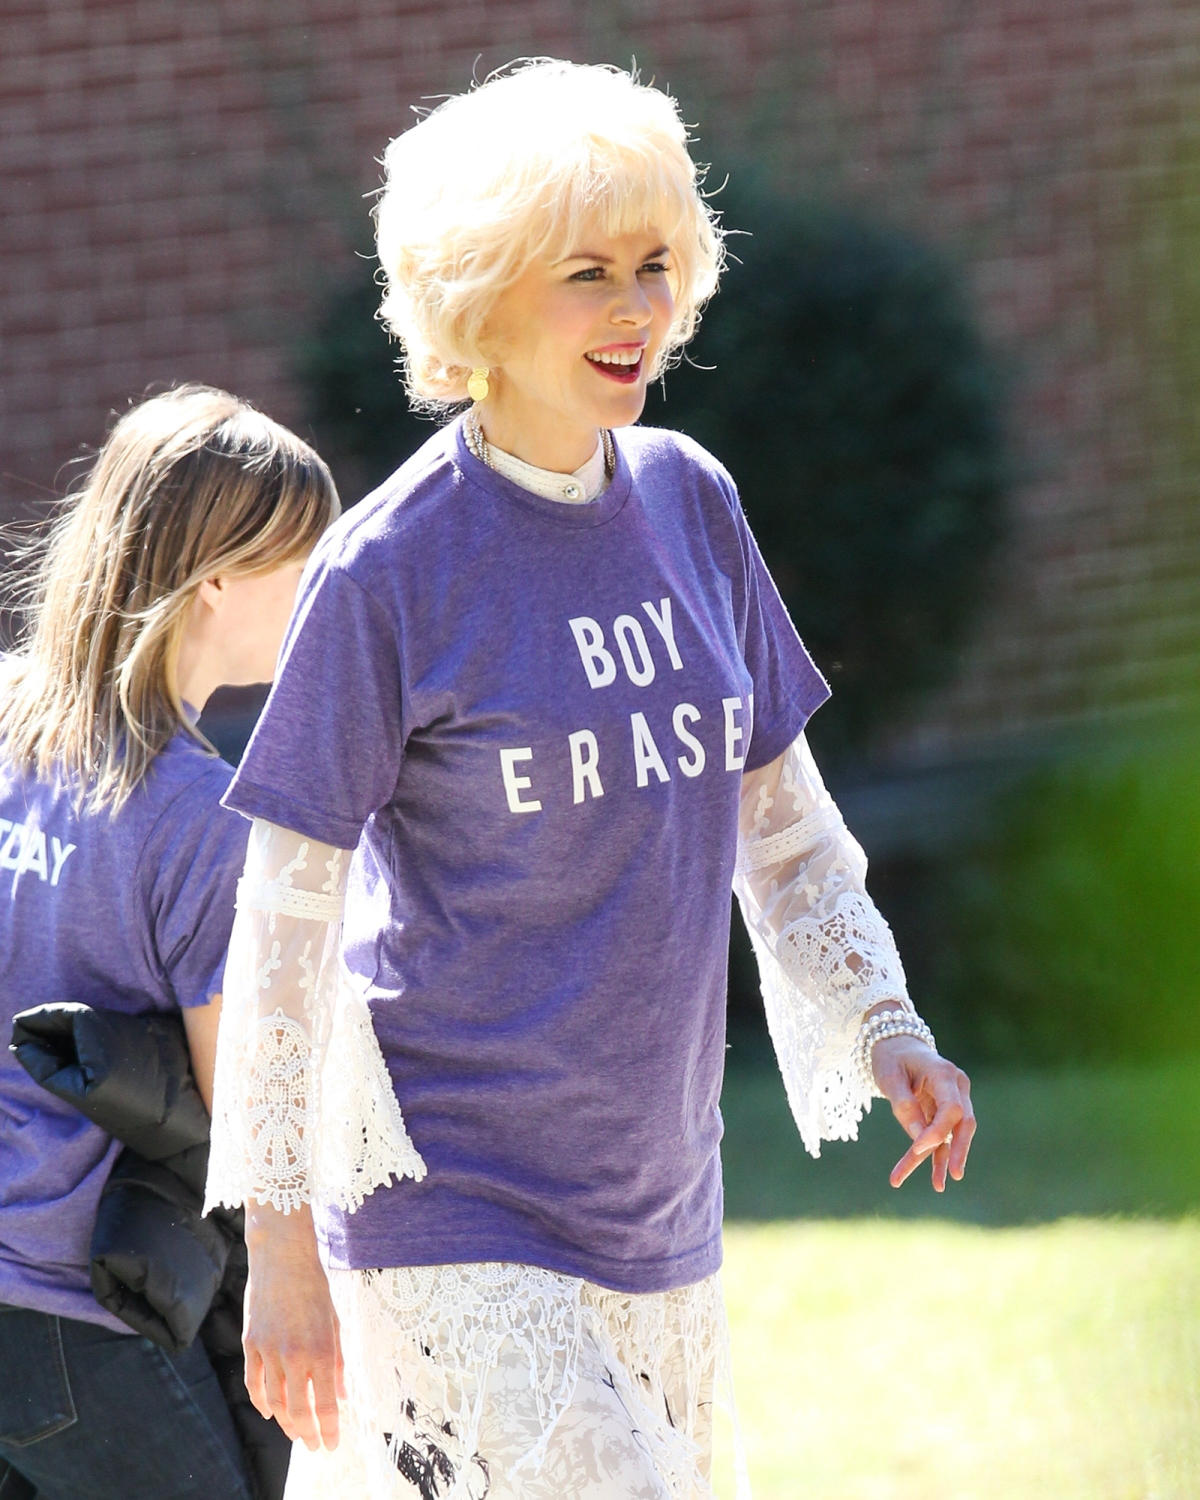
(887, 1023)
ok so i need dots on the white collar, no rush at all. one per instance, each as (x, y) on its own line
(586, 483)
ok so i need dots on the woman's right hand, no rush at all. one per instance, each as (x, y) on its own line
(294, 1369)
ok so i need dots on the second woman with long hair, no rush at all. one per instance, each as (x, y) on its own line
(172, 571)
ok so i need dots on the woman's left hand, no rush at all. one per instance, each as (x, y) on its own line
(931, 1098)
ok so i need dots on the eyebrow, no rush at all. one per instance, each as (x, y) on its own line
(606, 260)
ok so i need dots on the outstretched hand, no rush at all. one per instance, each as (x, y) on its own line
(931, 1099)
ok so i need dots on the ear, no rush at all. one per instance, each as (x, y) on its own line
(491, 345)
(212, 593)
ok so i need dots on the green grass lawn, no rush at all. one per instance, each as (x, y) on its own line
(1036, 1334)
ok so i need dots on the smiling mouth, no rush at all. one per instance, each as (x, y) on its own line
(623, 366)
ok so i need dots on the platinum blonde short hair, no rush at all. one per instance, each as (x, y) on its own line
(517, 169)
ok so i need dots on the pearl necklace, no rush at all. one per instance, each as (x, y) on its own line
(571, 488)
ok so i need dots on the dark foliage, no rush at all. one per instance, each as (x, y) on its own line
(357, 408)
(853, 400)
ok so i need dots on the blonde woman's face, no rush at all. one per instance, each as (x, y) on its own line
(573, 342)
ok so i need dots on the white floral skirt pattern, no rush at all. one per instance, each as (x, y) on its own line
(498, 1381)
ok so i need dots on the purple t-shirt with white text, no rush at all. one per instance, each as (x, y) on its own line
(128, 911)
(530, 719)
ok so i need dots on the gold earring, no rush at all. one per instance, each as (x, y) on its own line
(477, 384)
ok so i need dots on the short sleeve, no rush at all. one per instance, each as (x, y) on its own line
(327, 748)
(191, 863)
(788, 688)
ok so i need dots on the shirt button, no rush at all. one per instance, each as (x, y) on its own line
(573, 491)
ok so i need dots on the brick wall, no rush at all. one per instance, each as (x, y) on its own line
(1056, 148)
(180, 182)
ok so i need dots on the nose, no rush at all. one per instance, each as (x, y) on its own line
(632, 305)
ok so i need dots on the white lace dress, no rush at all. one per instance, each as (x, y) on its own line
(497, 1380)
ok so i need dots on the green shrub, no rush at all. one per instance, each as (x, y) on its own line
(356, 405)
(840, 376)
(1064, 935)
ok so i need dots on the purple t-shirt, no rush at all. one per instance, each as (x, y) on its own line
(536, 715)
(130, 912)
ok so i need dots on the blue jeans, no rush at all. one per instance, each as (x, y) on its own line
(85, 1412)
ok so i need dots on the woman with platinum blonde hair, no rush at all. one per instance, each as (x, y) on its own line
(539, 707)
(171, 571)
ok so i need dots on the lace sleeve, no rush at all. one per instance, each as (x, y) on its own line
(825, 955)
(303, 1107)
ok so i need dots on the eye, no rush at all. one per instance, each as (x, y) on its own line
(657, 267)
(590, 273)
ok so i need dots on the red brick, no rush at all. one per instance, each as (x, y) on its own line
(178, 155)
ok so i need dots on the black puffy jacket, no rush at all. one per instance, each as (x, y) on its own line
(158, 1263)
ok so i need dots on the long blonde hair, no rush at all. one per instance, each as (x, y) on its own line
(190, 484)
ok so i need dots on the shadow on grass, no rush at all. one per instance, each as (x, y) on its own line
(1051, 1144)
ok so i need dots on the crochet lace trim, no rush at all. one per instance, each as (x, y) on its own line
(424, 1344)
(825, 954)
(304, 1109)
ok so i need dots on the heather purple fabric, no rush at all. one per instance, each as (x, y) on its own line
(129, 912)
(540, 713)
